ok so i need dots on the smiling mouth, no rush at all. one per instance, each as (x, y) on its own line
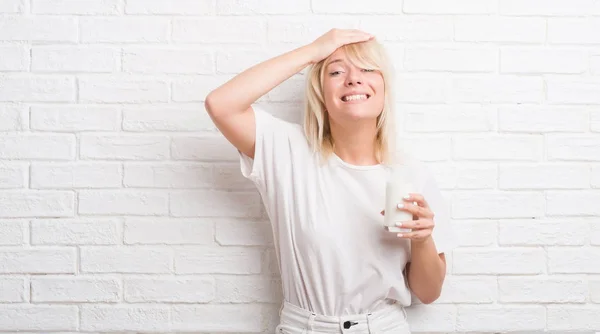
(356, 97)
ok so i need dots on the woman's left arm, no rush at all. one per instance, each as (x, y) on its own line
(427, 269)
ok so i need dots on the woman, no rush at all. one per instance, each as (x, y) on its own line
(324, 189)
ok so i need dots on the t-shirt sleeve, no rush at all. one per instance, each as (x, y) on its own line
(272, 153)
(443, 233)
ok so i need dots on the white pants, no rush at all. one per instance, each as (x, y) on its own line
(389, 320)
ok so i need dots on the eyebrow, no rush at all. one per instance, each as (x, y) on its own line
(334, 61)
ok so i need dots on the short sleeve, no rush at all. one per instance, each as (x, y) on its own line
(275, 138)
(443, 234)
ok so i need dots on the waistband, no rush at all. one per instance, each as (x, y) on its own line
(390, 315)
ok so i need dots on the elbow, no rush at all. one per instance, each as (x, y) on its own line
(209, 104)
(428, 297)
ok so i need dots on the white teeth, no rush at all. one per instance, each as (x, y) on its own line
(354, 97)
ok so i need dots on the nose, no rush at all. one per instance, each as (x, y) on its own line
(354, 78)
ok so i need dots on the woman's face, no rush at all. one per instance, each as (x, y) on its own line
(350, 92)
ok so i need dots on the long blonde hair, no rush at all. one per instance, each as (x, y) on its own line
(372, 55)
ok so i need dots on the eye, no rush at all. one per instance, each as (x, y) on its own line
(335, 73)
(368, 70)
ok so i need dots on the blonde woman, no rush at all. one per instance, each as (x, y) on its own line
(323, 186)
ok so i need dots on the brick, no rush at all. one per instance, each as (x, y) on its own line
(126, 259)
(524, 261)
(500, 147)
(13, 175)
(15, 58)
(74, 118)
(542, 60)
(595, 120)
(594, 287)
(506, 204)
(194, 89)
(75, 289)
(74, 59)
(566, 260)
(243, 318)
(32, 146)
(172, 60)
(500, 29)
(38, 29)
(214, 203)
(270, 7)
(594, 64)
(305, 29)
(47, 317)
(12, 6)
(248, 289)
(35, 88)
(124, 30)
(150, 318)
(232, 232)
(124, 147)
(37, 204)
(75, 175)
(289, 91)
(12, 232)
(423, 88)
(270, 264)
(12, 290)
(453, 59)
(123, 202)
(427, 148)
(574, 202)
(575, 148)
(497, 89)
(450, 7)
(221, 30)
(408, 29)
(75, 232)
(596, 177)
(543, 232)
(234, 59)
(37, 261)
(546, 176)
(172, 7)
(542, 290)
(546, 8)
(573, 30)
(357, 7)
(11, 117)
(431, 318)
(169, 290)
(440, 118)
(76, 7)
(476, 232)
(123, 90)
(217, 260)
(203, 148)
(185, 175)
(181, 118)
(572, 317)
(500, 318)
(169, 231)
(465, 289)
(467, 175)
(582, 90)
(543, 119)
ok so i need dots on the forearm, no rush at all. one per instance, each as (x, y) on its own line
(426, 271)
(237, 94)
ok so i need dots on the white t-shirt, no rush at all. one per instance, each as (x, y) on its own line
(334, 256)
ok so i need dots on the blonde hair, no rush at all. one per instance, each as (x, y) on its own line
(371, 55)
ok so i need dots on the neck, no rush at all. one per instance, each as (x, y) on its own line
(355, 144)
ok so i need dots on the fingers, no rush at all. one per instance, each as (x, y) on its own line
(413, 197)
(416, 210)
(415, 235)
(417, 224)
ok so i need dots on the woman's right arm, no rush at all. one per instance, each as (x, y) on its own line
(229, 105)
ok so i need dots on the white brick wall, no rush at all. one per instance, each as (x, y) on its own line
(123, 209)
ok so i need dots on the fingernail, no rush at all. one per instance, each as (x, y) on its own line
(400, 206)
(399, 235)
(406, 197)
(398, 224)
